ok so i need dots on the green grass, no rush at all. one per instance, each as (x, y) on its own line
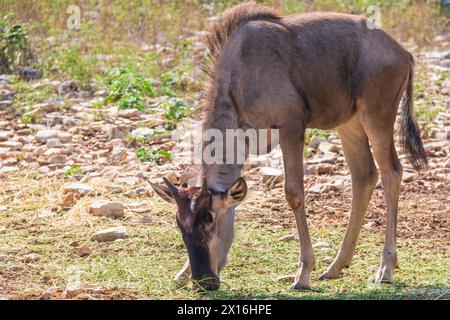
(144, 264)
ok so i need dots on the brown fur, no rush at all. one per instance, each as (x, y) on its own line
(315, 70)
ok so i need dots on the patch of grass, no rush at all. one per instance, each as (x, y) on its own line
(147, 260)
(425, 112)
(69, 62)
(27, 97)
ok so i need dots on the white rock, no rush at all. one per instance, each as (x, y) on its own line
(408, 176)
(54, 142)
(271, 174)
(11, 145)
(142, 133)
(318, 188)
(106, 208)
(78, 188)
(44, 135)
(110, 234)
(321, 244)
(5, 135)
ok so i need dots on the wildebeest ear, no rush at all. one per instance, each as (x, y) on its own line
(237, 192)
(163, 192)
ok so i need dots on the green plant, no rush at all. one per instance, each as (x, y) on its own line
(152, 155)
(72, 62)
(175, 110)
(127, 87)
(74, 170)
(13, 45)
(426, 112)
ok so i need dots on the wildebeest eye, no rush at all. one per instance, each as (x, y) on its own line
(207, 217)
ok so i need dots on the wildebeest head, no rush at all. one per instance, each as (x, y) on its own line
(206, 221)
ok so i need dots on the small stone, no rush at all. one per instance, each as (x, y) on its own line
(84, 251)
(327, 158)
(343, 290)
(286, 278)
(54, 142)
(142, 133)
(43, 135)
(64, 137)
(73, 95)
(3, 230)
(107, 209)
(370, 225)
(8, 170)
(110, 234)
(325, 168)
(145, 219)
(318, 188)
(59, 159)
(408, 176)
(32, 257)
(11, 145)
(47, 294)
(290, 237)
(119, 155)
(310, 170)
(74, 243)
(445, 63)
(29, 74)
(78, 188)
(270, 174)
(316, 141)
(68, 86)
(327, 147)
(5, 135)
(72, 292)
(321, 244)
(129, 113)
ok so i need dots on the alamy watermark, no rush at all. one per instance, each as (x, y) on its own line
(74, 20)
(227, 146)
(374, 17)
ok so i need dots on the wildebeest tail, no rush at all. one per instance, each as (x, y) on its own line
(409, 130)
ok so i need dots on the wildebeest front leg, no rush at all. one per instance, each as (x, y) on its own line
(292, 147)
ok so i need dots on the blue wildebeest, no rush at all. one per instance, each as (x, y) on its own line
(314, 70)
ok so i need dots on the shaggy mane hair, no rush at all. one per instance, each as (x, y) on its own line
(227, 23)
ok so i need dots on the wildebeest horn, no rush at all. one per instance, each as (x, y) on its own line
(171, 187)
(204, 187)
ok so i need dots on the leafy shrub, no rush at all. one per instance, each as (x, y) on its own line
(127, 88)
(152, 155)
(175, 110)
(13, 45)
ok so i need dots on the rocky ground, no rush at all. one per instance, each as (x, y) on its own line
(91, 153)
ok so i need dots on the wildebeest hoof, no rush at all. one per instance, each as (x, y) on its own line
(330, 275)
(299, 286)
(384, 276)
